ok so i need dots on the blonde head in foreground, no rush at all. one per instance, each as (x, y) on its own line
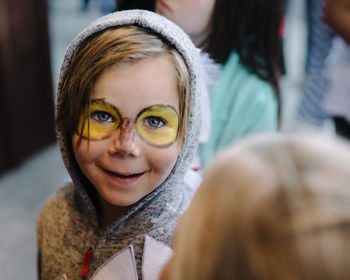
(272, 207)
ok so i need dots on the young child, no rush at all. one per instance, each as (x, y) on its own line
(127, 125)
(336, 102)
(273, 207)
(244, 38)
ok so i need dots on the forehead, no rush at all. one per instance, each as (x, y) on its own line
(132, 86)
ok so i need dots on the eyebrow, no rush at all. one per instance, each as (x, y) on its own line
(103, 102)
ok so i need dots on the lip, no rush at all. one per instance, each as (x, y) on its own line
(161, 6)
(126, 178)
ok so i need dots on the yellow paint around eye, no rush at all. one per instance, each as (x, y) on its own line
(164, 135)
(99, 130)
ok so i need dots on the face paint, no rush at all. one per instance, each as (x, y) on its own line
(103, 119)
(127, 133)
(157, 125)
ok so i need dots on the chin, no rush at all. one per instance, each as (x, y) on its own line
(122, 200)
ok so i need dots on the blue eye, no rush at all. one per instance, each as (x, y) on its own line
(102, 116)
(154, 122)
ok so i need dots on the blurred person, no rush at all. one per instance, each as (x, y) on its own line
(337, 99)
(273, 207)
(127, 123)
(85, 5)
(319, 43)
(243, 38)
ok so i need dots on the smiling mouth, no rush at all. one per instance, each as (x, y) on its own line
(123, 176)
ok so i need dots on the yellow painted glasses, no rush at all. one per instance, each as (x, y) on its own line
(157, 125)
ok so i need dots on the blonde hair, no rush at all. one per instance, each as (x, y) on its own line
(273, 207)
(126, 44)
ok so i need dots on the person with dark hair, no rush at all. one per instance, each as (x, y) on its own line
(243, 37)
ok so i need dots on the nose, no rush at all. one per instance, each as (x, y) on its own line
(124, 140)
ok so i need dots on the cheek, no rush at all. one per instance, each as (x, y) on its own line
(164, 160)
(86, 152)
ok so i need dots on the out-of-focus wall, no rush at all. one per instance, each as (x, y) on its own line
(26, 99)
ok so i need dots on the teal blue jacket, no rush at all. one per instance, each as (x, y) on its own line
(241, 104)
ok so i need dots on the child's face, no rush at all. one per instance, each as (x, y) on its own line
(192, 16)
(133, 142)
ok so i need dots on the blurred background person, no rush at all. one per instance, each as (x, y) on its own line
(273, 207)
(319, 43)
(243, 37)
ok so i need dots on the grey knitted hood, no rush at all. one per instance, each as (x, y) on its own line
(170, 33)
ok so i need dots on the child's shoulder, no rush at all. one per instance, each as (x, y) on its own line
(58, 203)
(55, 215)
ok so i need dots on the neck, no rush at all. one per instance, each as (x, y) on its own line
(199, 38)
(108, 213)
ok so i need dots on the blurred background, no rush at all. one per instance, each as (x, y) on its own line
(33, 37)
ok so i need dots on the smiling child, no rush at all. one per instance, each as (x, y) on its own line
(127, 122)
